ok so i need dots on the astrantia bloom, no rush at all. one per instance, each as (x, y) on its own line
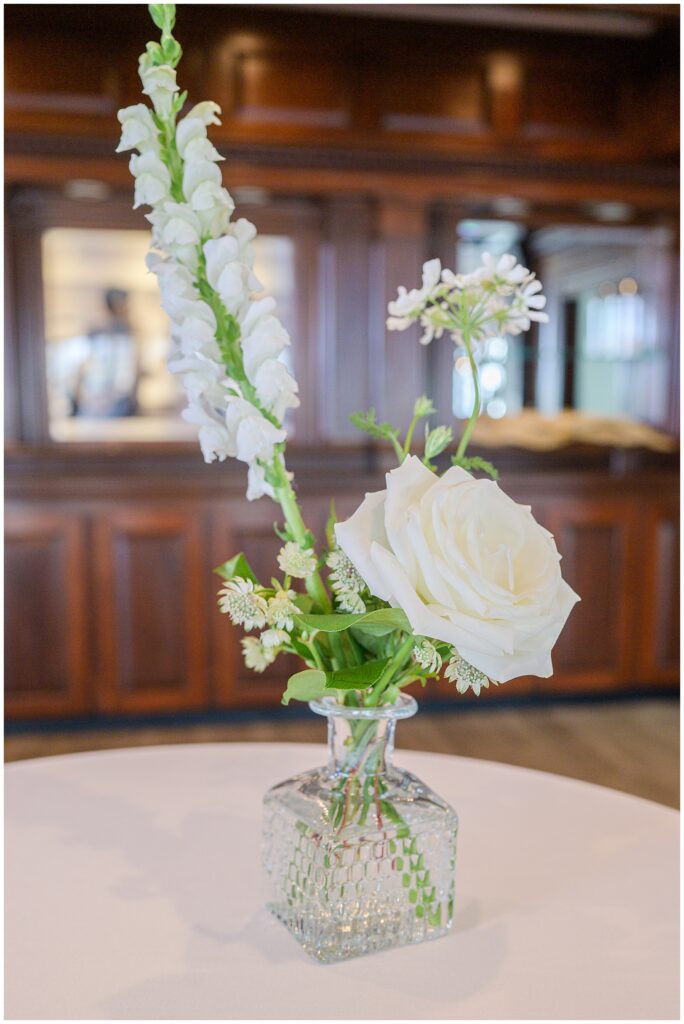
(274, 638)
(296, 562)
(281, 609)
(466, 676)
(427, 656)
(257, 657)
(245, 607)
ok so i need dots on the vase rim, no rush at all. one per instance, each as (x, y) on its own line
(403, 707)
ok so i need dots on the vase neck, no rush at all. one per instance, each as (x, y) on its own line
(361, 740)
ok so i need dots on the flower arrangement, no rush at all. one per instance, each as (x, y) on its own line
(433, 574)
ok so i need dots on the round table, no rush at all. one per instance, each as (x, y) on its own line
(133, 890)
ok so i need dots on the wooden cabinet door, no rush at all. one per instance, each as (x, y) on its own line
(47, 660)
(597, 540)
(657, 628)
(150, 606)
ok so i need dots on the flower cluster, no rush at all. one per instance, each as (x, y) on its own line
(229, 342)
(254, 607)
(345, 582)
(433, 573)
(499, 297)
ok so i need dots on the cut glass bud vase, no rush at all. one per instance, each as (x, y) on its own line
(360, 855)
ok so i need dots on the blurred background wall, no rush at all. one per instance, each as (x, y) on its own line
(361, 140)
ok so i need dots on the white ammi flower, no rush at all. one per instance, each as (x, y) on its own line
(408, 305)
(466, 564)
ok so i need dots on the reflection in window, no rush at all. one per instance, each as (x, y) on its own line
(500, 359)
(108, 341)
(605, 350)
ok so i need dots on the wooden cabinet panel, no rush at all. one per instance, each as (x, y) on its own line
(413, 99)
(290, 88)
(47, 667)
(657, 652)
(596, 538)
(150, 605)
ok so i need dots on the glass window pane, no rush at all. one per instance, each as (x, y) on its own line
(108, 341)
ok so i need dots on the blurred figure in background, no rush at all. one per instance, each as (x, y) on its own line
(107, 381)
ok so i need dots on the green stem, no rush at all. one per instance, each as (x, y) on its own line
(465, 437)
(395, 663)
(409, 436)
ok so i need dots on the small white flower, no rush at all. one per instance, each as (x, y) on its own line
(176, 225)
(276, 388)
(350, 601)
(253, 436)
(408, 305)
(501, 275)
(427, 656)
(274, 638)
(257, 657)
(138, 130)
(281, 609)
(257, 485)
(344, 575)
(296, 562)
(152, 179)
(159, 83)
(213, 437)
(239, 600)
(207, 112)
(466, 676)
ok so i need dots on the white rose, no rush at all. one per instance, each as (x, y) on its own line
(466, 564)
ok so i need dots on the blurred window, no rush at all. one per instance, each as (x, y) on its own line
(108, 341)
(606, 348)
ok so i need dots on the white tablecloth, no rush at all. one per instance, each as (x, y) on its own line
(133, 891)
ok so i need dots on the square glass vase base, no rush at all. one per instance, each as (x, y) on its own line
(359, 856)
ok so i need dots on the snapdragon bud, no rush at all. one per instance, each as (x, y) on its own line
(437, 440)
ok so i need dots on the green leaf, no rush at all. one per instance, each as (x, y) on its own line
(306, 685)
(236, 566)
(367, 422)
(437, 440)
(357, 677)
(377, 623)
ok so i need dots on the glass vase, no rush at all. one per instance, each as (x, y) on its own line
(359, 855)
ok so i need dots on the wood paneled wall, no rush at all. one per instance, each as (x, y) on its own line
(372, 123)
(304, 77)
(113, 602)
